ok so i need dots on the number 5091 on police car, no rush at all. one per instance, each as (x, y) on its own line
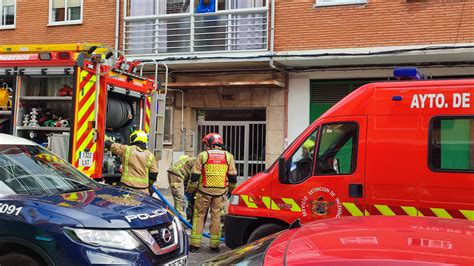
(9, 209)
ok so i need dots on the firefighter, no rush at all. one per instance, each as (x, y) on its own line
(139, 166)
(213, 176)
(178, 176)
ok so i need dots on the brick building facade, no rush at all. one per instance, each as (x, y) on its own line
(332, 47)
(33, 24)
(302, 26)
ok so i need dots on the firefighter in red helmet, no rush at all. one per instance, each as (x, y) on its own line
(213, 176)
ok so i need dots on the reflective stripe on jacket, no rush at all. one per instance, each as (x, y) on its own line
(137, 164)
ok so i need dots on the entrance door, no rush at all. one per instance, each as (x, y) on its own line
(244, 139)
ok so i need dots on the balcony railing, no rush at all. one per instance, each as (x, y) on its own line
(235, 30)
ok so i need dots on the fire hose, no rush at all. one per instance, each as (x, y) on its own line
(185, 222)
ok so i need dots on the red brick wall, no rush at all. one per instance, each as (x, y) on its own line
(98, 24)
(300, 26)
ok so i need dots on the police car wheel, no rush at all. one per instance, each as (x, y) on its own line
(18, 259)
(265, 230)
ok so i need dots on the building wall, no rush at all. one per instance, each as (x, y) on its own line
(301, 26)
(272, 99)
(32, 17)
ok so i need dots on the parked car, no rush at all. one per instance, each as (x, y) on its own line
(52, 214)
(369, 240)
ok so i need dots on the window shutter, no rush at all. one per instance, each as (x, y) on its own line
(326, 93)
(8, 2)
(58, 3)
(74, 3)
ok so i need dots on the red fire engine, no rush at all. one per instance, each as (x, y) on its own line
(66, 97)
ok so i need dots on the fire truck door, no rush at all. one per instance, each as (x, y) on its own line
(326, 173)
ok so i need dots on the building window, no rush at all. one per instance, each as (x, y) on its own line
(339, 2)
(7, 13)
(65, 12)
(185, 26)
(452, 144)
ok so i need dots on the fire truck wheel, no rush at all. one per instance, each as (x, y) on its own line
(265, 230)
(22, 259)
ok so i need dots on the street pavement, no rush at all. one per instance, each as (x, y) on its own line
(205, 253)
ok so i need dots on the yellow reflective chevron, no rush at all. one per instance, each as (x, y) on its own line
(294, 205)
(352, 208)
(385, 210)
(441, 213)
(249, 202)
(468, 214)
(269, 203)
(411, 211)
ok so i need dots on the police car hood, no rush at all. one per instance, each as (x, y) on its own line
(104, 207)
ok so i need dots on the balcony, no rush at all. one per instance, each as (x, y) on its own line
(189, 32)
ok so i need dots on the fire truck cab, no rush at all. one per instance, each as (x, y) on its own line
(392, 148)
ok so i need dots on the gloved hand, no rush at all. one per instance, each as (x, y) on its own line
(108, 138)
(191, 188)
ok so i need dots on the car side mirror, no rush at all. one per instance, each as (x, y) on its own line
(282, 170)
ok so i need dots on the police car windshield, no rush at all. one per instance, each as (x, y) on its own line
(27, 169)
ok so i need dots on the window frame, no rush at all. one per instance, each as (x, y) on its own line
(65, 22)
(341, 3)
(311, 173)
(355, 149)
(430, 148)
(5, 27)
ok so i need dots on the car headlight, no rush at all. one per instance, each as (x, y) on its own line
(234, 200)
(105, 238)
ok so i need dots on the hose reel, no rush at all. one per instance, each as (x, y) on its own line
(119, 113)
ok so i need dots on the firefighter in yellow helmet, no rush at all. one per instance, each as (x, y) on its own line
(178, 176)
(139, 166)
(213, 176)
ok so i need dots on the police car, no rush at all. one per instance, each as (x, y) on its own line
(52, 214)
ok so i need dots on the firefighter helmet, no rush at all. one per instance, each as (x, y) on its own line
(138, 136)
(308, 145)
(182, 157)
(212, 139)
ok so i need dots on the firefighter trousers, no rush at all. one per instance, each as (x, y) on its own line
(201, 206)
(177, 190)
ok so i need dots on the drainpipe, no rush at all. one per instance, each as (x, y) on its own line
(183, 131)
(281, 70)
(117, 23)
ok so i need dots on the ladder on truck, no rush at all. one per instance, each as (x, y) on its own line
(158, 110)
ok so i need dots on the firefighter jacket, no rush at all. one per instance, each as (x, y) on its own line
(183, 168)
(214, 168)
(137, 164)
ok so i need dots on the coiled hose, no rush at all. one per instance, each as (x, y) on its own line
(118, 113)
(185, 222)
